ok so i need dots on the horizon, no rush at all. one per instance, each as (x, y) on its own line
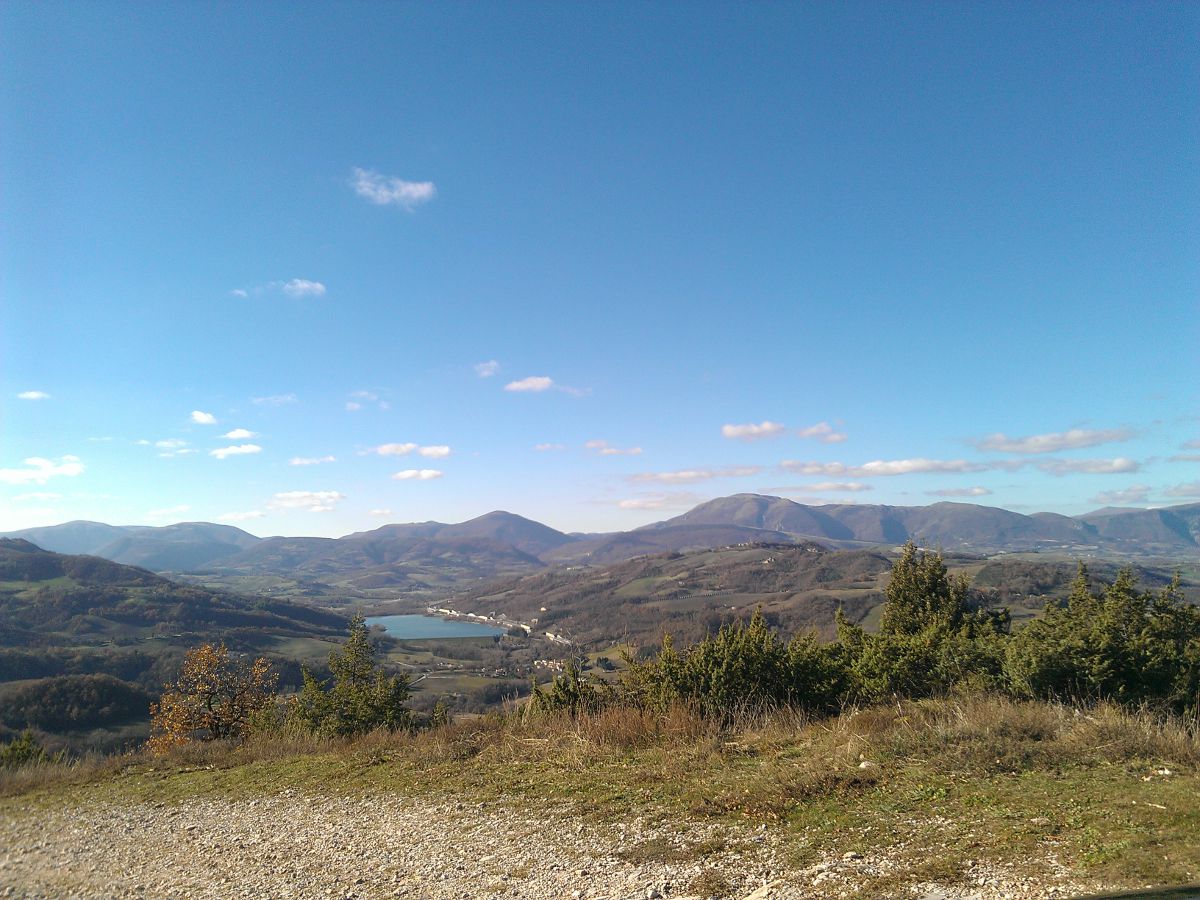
(324, 269)
(572, 531)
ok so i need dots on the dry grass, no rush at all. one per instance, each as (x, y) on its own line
(950, 780)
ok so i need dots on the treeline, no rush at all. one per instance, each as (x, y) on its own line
(1117, 643)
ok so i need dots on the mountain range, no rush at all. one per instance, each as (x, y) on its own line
(430, 558)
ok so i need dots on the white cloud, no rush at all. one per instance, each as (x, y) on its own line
(846, 486)
(1138, 493)
(168, 513)
(436, 451)
(239, 292)
(487, 369)
(311, 501)
(37, 495)
(274, 400)
(1072, 439)
(310, 460)
(235, 450)
(1185, 457)
(691, 476)
(387, 190)
(239, 434)
(673, 500)
(1089, 466)
(417, 475)
(302, 287)
(606, 449)
(960, 492)
(40, 470)
(33, 395)
(241, 516)
(380, 512)
(395, 449)
(203, 418)
(910, 466)
(881, 467)
(534, 384)
(170, 444)
(822, 432)
(752, 432)
(542, 448)
(1188, 489)
(353, 406)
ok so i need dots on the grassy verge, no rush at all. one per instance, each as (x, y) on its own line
(935, 786)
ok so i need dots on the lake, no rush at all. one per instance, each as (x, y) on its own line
(417, 627)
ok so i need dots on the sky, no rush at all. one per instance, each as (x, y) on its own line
(313, 268)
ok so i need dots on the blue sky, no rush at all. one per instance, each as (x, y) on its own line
(312, 268)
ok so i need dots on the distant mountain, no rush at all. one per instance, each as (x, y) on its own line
(962, 526)
(169, 548)
(425, 559)
(53, 599)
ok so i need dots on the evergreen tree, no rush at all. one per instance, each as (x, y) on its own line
(363, 697)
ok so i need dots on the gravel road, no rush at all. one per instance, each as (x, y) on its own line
(300, 846)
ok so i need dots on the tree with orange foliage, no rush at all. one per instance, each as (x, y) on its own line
(214, 698)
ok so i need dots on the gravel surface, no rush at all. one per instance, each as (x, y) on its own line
(300, 846)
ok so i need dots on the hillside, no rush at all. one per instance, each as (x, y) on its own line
(430, 560)
(798, 586)
(69, 622)
(688, 594)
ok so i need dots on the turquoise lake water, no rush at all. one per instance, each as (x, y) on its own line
(416, 627)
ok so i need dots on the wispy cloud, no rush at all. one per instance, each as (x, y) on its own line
(241, 516)
(1188, 489)
(168, 513)
(40, 496)
(532, 384)
(604, 448)
(274, 400)
(172, 447)
(543, 448)
(536, 384)
(822, 432)
(693, 476)
(753, 432)
(1116, 466)
(883, 467)
(1138, 493)
(669, 500)
(1054, 442)
(387, 190)
(1190, 445)
(487, 369)
(840, 486)
(203, 418)
(380, 512)
(39, 470)
(360, 399)
(310, 460)
(290, 287)
(302, 287)
(310, 501)
(417, 475)
(960, 492)
(239, 434)
(1184, 457)
(235, 450)
(435, 451)
(33, 395)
